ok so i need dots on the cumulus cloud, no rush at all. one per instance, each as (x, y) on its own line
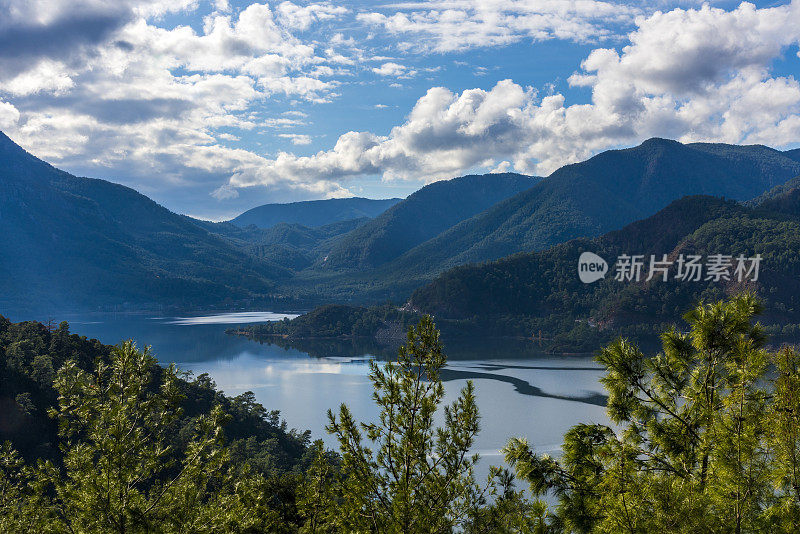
(297, 139)
(32, 30)
(448, 25)
(9, 115)
(178, 109)
(394, 70)
(144, 100)
(697, 74)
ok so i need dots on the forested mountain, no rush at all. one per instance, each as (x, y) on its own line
(423, 215)
(540, 294)
(293, 246)
(793, 154)
(541, 291)
(601, 194)
(71, 242)
(30, 355)
(80, 243)
(775, 192)
(314, 212)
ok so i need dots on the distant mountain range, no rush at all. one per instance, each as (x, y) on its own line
(601, 194)
(291, 245)
(79, 243)
(314, 213)
(586, 199)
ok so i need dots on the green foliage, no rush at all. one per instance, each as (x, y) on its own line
(120, 472)
(133, 446)
(704, 438)
(334, 321)
(407, 475)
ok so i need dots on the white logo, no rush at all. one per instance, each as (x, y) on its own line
(591, 267)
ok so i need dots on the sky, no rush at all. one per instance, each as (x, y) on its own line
(211, 107)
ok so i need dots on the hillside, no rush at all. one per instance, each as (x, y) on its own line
(775, 192)
(78, 243)
(423, 215)
(540, 295)
(293, 246)
(540, 291)
(601, 194)
(314, 212)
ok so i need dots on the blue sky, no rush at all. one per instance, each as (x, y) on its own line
(213, 107)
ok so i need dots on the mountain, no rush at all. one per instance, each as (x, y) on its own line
(540, 292)
(775, 192)
(603, 193)
(793, 154)
(314, 212)
(78, 243)
(787, 202)
(420, 217)
(292, 246)
(540, 295)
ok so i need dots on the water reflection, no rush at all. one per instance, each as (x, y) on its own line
(232, 318)
(523, 387)
(520, 391)
(456, 349)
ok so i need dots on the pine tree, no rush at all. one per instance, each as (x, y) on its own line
(703, 441)
(409, 476)
(124, 469)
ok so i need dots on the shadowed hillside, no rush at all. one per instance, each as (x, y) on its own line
(423, 215)
(73, 242)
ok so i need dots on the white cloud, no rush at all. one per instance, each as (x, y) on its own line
(394, 70)
(448, 25)
(302, 17)
(144, 100)
(700, 74)
(297, 139)
(46, 76)
(225, 192)
(116, 90)
(9, 115)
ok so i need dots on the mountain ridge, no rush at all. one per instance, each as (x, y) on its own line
(423, 215)
(314, 213)
(581, 200)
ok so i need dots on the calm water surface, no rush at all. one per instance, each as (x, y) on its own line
(520, 392)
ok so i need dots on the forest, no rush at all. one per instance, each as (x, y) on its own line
(705, 438)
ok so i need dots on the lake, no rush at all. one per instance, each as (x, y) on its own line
(520, 391)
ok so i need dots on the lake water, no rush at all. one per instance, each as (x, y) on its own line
(520, 391)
